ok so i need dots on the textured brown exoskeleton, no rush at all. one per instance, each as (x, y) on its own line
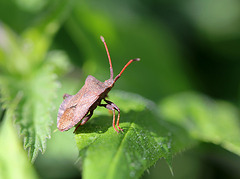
(79, 108)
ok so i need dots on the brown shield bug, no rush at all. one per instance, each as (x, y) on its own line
(78, 109)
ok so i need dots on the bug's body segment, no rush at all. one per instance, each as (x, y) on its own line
(85, 97)
(79, 108)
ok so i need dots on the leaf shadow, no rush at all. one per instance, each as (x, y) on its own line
(145, 120)
(98, 125)
(102, 123)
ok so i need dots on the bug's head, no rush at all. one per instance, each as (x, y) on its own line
(110, 82)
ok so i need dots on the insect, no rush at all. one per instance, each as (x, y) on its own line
(78, 109)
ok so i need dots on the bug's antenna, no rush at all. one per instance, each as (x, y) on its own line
(109, 58)
(130, 61)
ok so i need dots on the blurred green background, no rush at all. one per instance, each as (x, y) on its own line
(184, 45)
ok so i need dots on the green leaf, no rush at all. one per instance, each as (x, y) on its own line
(13, 159)
(145, 139)
(205, 119)
(33, 111)
(26, 72)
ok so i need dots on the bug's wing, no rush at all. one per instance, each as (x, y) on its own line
(63, 107)
(85, 104)
(73, 114)
(77, 107)
(90, 98)
(65, 113)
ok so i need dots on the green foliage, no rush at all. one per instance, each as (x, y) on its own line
(149, 135)
(13, 159)
(145, 139)
(205, 119)
(33, 54)
(25, 72)
(128, 41)
(34, 109)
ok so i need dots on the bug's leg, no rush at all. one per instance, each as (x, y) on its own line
(84, 120)
(118, 121)
(110, 107)
(116, 108)
(114, 121)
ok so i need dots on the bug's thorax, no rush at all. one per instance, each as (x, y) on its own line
(97, 87)
(108, 85)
